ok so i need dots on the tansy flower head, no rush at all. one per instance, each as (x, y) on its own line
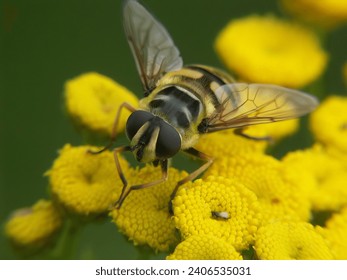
(33, 227)
(92, 100)
(204, 247)
(322, 177)
(279, 195)
(218, 206)
(85, 183)
(329, 122)
(335, 233)
(325, 13)
(265, 49)
(290, 241)
(337, 154)
(144, 216)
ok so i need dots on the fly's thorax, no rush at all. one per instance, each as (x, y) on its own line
(196, 73)
(199, 81)
(224, 77)
(151, 137)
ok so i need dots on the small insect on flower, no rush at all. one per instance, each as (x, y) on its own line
(182, 102)
(220, 215)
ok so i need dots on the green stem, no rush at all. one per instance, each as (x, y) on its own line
(66, 247)
(144, 252)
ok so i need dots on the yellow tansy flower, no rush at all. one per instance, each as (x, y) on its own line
(34, 227)
(218, 206)
(265, 49)
(92, 100)
(226, 143)
(332, 192)
(144, 215)
(336, 153)
(329, 122)
(326, 13)
(335, 233)
(325, 177)
(204, 247)
(85, 183)
(278, 193)
(290, 241)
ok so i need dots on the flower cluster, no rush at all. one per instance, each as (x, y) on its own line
(264, 203)
(248, 204)
(246, 199)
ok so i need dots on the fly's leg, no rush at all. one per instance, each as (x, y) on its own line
(240, 132)
(126, 191)
(124, 105)
(196, 154)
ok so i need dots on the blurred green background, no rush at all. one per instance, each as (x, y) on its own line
(44, 43)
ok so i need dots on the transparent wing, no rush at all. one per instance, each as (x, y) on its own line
(249, 104)
(152, 47)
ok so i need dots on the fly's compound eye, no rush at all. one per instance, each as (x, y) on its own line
(136, 120)
(169, 141)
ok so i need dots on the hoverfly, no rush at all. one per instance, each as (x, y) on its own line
(182, 102)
